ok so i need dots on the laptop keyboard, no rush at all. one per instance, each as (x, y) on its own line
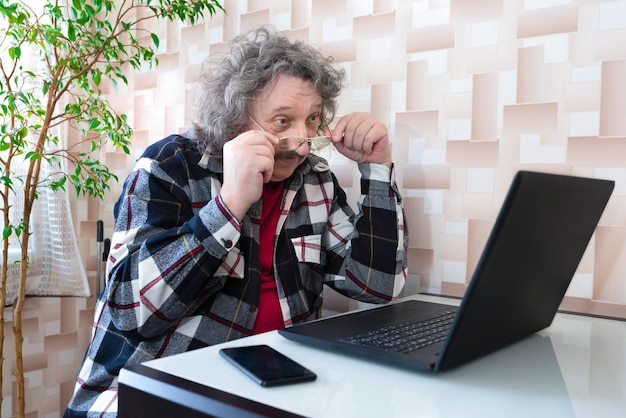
(406, 336)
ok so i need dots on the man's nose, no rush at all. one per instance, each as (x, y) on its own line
(303, 149)
(299, 130)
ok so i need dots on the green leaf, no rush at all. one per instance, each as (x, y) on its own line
(71, 32)
(93, 124)
(32, 156)
(90, 10)
(22, 133)
(6, 180)
(15, 52)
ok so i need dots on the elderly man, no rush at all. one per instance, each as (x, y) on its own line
(233, 228)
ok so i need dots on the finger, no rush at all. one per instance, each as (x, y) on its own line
(251, 142)
(341, 127)
(267, 175)
(252, 151)
(364, 137)
(259, 137)
(343, 134)
(272, 138)
(358, 131)
(376, 134)
(265, 164)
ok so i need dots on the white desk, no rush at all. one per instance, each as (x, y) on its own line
(578, 371)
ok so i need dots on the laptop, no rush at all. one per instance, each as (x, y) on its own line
(538, 239)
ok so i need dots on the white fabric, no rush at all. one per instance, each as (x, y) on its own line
(56, 268)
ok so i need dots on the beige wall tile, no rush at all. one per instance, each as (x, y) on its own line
(607, 47)
(484, 111)
(548, 21)
(374, 26)
(581, 97)
(473, 10)
(597, 152)
(453, 247)
(416, 85)
(610, 265)
(426, 177)
(473, 153)
(428, 39)
(523, 118)
(613, 98)
(417, 124)
(530, 75)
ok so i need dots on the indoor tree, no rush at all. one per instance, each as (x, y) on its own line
(77, 46)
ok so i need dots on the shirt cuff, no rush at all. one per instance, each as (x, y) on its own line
(378, 179)
(376, 172)
(222, 227)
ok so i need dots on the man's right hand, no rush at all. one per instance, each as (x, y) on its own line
(248, 164)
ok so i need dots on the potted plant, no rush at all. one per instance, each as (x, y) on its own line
(77, 46)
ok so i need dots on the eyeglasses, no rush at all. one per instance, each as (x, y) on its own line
(291, 143)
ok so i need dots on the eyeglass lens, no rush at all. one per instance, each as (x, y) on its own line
(292, 143)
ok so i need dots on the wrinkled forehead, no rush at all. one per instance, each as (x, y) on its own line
(287, 93)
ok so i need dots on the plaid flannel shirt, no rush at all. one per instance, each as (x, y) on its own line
(183, 273)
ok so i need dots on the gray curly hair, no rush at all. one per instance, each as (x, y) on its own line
(227, 88)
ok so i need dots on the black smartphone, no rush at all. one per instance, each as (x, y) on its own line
(266, 366)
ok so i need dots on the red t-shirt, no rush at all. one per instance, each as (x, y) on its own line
(269, 315)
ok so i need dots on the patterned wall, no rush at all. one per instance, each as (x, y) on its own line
(472, 91)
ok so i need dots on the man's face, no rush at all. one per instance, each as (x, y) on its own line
(291, 107)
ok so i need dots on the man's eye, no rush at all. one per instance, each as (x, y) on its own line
(281, 124)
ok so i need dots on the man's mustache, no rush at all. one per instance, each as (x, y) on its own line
(285, 155)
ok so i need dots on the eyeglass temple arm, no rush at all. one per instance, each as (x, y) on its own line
(256, 123)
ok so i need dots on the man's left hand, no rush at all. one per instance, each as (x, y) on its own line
(362, 138)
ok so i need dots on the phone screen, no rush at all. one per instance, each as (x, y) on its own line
(266, 366)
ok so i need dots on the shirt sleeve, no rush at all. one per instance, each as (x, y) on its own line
(165, 253)
(369, 249)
